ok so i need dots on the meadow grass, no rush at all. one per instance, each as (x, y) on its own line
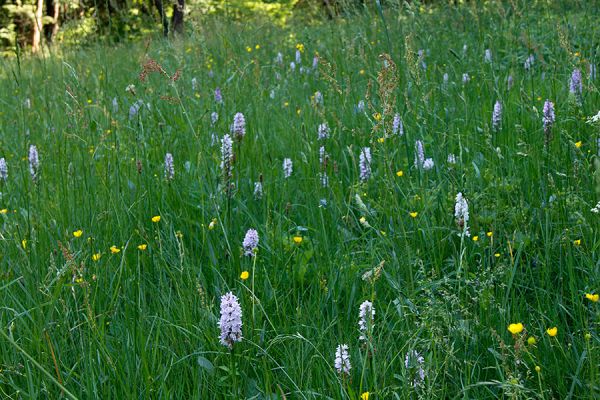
(79, 320)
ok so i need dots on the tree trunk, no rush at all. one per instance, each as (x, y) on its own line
(177, 21)
(52, 10)
(37, 27)
(163, 17)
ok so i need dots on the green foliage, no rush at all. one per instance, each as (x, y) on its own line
(79, 320)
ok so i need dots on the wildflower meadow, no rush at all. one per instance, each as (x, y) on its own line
(400, 202)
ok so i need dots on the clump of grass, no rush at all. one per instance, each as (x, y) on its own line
(115, 257)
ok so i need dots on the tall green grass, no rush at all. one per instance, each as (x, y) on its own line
(143, 323)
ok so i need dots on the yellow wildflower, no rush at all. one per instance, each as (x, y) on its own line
(249, 49)
(377, 116)
(475, 238)
(4, 211)
(552, 331)
(364, 396)
(515, 328)
(300, 47)
(578, 144)
(531, 341)
(212, 224)
(96, 257)
(142, 247)
(114, 249)
(537, 369)
(414, 214)
(490, 234)
(399, 173)
(156, 218)
(24, 244)
(577, 242)
(298, 239)
(78, 233)
(244, 275)
(592, 297)
(381, 140)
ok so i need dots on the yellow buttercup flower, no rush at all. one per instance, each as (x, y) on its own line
(244, 275)
(578, 144)
(114, 249)
(490, 234)
(377, 116)
(4, 211)
(96, 257)
(249, 49)
(475, 238)
(257, 46)
(364, 396)
(531, 341)
(414, 214)
(577, 242)
(156, 218)
(399, 173)
(592, 297)
(552, 331)
(78, 233)
(381, 140)
(587, 336)
(496, 255)
(298, 239)
(300, 47)
(142, 247)
(24, 243)
(515, 328)
(362, 72)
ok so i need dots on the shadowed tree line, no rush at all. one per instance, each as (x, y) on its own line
(30, 24)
